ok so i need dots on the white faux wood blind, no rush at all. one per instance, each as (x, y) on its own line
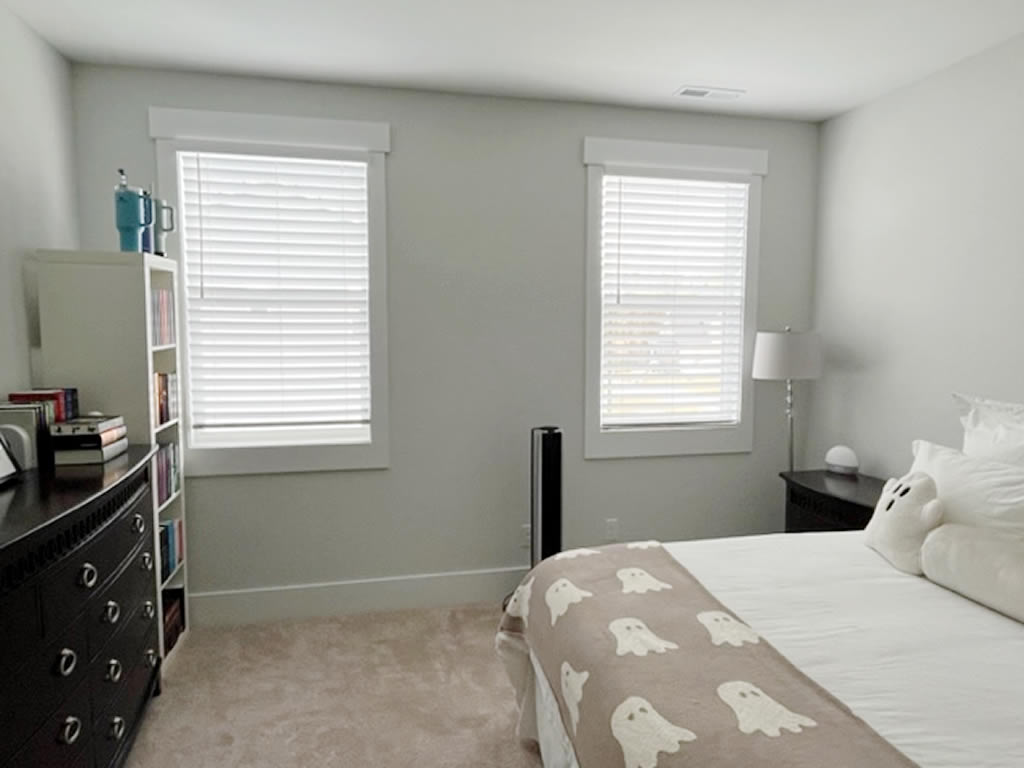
(673, 262)
(277, 281)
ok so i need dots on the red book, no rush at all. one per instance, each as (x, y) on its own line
(37, 395)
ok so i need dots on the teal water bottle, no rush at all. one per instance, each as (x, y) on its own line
(130, 215)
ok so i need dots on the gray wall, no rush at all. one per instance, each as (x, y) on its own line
(486, 232)
(37, 190)
(920, 265)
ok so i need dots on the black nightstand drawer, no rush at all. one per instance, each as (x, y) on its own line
(821, 501)
(807, 512)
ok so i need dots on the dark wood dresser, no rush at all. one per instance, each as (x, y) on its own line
(79, 655)
(819, 500)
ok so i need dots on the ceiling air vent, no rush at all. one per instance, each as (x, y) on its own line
(707, 93)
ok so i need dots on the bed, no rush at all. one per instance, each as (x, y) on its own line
(937, 676)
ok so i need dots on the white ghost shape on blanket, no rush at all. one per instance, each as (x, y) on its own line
(572, 554)
(757, 711)
(572, 691)
(643, 544)
(643, 733)
(560, 595)
(519, 605)
(726, 629)
(633, 636)
(639, 581)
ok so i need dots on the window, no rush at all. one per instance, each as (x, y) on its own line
(276, 253)
(670, 304)
(282, 276)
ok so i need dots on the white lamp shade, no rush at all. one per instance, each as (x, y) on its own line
(787, 355)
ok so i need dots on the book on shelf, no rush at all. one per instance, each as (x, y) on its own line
(97, 455)
(174, 616)
(31, 417)
(172, 550)
(165, 394)
(163, 317)
(168, 471)
(64, 401)
(106, 473)
(88, 425)
(63, 442)
(179, 537)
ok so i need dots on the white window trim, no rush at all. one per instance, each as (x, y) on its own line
(192, 130)
(649, 158)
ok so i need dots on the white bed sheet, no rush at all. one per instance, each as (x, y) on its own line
(940, 677)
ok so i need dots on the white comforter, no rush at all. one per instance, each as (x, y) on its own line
(940, 677)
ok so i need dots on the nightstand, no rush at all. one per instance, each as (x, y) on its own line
(817, 500)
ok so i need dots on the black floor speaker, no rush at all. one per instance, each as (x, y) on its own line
(545, 492)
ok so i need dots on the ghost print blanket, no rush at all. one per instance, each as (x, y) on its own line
(650, 670)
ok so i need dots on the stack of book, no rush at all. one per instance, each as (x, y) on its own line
(88, 440)
(61, 403)
(163, 316)
(168, 476)
(166, 394)
(172, 547)
(34, 411)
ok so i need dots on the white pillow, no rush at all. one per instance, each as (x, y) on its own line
(906, 511)
(988, 494)
(985, 566)
(992, 429)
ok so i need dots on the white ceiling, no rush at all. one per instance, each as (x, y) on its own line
(795, 58)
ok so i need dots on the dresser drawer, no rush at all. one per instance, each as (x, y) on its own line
(115, 725)
(115, 604)
(110, 670)
(63, 740)
(20, 627)
(38, 687)
(63, 594)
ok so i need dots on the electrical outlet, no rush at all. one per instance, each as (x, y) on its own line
(611, 529)
(524, 536)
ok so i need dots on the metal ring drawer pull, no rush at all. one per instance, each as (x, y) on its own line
(148, 609)
(147, 561)
(114, 671)
(138, 523)
(66, 662)
(70, 730)
(117, 728)
(151, 657)
(111, 612)
(88, 576)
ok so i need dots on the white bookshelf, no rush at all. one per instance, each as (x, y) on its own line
(96, 328)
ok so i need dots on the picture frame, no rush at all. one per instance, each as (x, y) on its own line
(9, 468)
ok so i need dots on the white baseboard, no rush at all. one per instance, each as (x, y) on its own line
(300, 601)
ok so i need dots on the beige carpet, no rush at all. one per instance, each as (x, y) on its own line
(414, 688)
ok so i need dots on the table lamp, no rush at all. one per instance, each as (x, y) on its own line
(786, 356)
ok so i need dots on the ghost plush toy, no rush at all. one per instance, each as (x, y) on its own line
(643, 733)
(519, 605)
(724, 628)
(638, 581)
(633, 636)
(907, 511)
(560, 595)
(572, 554)
(572, 691)
(756, 711)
